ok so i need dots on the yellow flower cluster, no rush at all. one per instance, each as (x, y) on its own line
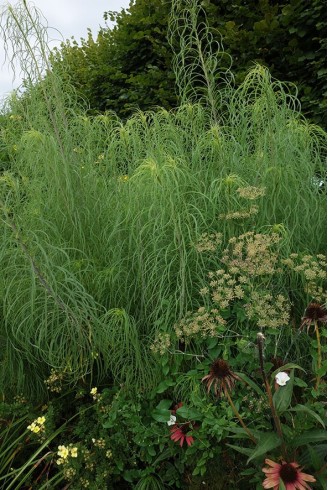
(95, 395)
(208, 242)
(123, 178)
(78, 150)
(54, 382)
(251, 192)
(100, 158)
(313, 269)
(15, 117)
(64, 452)
(252, 254)
(201, 323)
(37, 426)
(268, 310)
(161, 344)
(242, 214)
(225, 287)
(101, 443)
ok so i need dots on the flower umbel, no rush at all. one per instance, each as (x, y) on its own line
(221, 377)
(289, 473)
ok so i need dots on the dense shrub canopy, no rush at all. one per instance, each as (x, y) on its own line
(130, 65)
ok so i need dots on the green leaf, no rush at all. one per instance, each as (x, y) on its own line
(161, 414)
(240, 449)
(309, 437)
(304, 408)
(164, 385)
(299, 382)
(290, 365)
(283, 396)
(281, 485)
(164, 404)
(267, 443)
(189, 413)
(250, 383)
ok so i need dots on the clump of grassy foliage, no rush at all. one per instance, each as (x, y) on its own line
(99, 216)
(139, 258)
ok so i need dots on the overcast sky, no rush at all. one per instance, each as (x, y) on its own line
(70, 17)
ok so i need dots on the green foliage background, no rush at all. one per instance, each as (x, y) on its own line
(130, 65)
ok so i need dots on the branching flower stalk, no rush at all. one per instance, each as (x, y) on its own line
(260, 344)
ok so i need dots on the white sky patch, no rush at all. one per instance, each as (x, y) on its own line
(71, 18)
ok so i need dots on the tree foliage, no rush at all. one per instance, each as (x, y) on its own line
(130, 65)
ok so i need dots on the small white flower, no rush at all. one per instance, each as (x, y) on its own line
(172, 420)
(282, 378)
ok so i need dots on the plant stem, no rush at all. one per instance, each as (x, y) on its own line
(319, 360)
(235, 411)
(260, 341)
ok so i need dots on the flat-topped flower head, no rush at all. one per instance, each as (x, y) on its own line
(221, 377)
(314, 313)
(289, 473)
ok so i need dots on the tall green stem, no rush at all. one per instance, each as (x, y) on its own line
(235, 411)
(260, 342)
(319, 360)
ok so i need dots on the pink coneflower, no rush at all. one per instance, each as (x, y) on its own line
(289, 473)
(314, 313)
(179, 433)
(221, 377)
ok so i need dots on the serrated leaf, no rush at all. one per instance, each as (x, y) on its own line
(304, 408)
(267, 443)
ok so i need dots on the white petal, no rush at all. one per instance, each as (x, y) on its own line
(282, 378)
(172, 420)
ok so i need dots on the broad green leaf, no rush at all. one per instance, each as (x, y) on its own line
(164, 385)
(283, 396)
(240, 449)
(267, 443)
(250, 383)
(290, 365)
(189, 413)
(309, 437)
(164, 404)
(304, 408)
(161, 414)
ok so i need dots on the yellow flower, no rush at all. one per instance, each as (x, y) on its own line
(93, 391)
(63, 452)
(40, 420)
(74, 452)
